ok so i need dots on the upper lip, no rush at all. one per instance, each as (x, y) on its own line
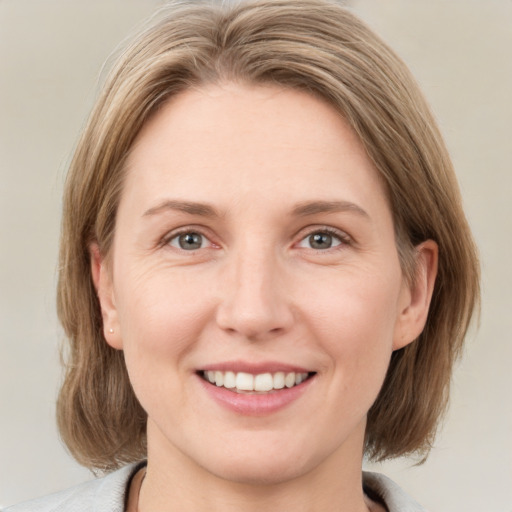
(254, 368)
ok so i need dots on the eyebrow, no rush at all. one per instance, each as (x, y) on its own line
(302, 209)
(314, 207)
(192, 208)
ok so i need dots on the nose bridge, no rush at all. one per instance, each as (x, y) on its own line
(254, 302)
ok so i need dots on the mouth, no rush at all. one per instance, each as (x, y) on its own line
(248, 383)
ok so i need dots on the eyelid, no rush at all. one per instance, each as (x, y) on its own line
(341, 235)
(171, 235)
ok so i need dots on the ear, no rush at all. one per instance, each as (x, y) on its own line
(102, 280)
(415, 297)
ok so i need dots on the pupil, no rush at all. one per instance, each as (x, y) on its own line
(190, 241)
(320, 241)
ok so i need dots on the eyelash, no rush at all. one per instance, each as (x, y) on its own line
(341, 236)
(166, 241)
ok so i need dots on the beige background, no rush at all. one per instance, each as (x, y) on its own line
(51, 52)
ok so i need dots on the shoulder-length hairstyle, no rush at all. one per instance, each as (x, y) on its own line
(315, 46)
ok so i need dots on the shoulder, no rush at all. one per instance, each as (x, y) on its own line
(383, 489)
(106, 494)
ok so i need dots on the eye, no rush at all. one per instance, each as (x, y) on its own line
(322, 240)
(189, 241)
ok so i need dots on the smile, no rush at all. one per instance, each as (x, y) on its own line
(242, 382)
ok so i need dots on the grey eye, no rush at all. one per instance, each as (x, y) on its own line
(321, 240)
(188, 241)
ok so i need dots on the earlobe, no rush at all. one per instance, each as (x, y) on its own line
(102, 280)
(416, 296)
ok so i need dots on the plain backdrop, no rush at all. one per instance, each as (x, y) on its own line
(51, 56)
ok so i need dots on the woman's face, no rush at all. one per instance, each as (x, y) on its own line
(254, 247)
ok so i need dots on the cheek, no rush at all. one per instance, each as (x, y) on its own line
(160, 318)
(354, 319)
(355, 305)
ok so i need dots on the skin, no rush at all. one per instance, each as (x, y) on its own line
(256, 290)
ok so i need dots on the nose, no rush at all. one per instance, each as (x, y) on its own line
(255, 301)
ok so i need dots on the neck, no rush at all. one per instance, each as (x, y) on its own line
(175, 482)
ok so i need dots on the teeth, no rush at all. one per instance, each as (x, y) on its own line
(244, 381)
(262, 382)
(289, 380)
(279, 380)
(229, 380)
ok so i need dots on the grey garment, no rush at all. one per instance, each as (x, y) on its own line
(382, 489)
(108, 494)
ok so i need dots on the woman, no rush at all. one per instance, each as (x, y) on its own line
(265, 267)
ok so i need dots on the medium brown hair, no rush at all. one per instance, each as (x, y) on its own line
(312, 45)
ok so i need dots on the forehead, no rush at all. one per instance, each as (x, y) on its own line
(230, 139)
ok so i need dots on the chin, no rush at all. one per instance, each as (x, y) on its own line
(264, 463)
(258, 473)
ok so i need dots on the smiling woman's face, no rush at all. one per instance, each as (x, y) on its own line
(255, 248)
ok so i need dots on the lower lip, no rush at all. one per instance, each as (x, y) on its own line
(257, 404)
